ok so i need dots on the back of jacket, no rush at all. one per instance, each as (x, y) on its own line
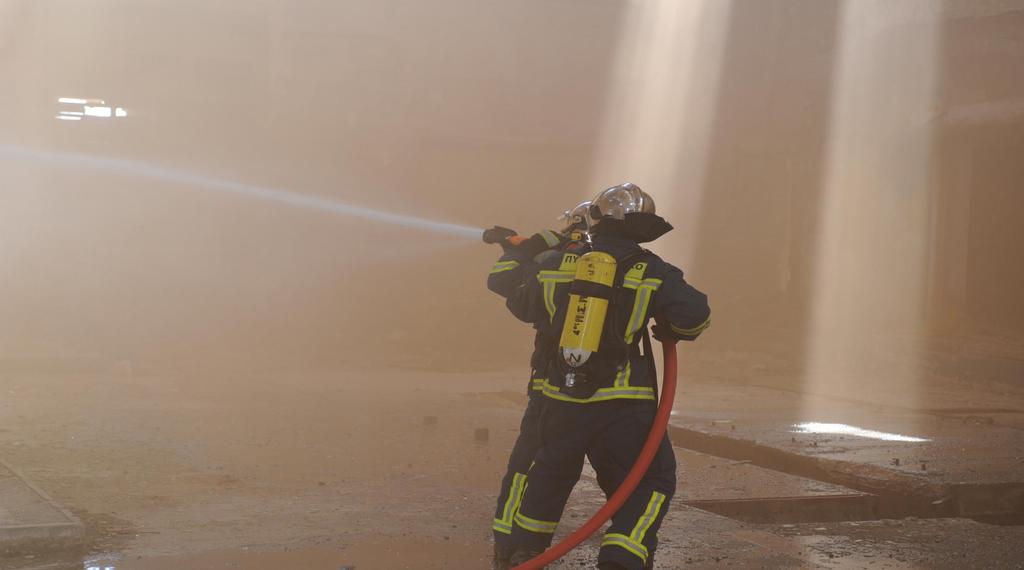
(509, 273)
(650, 288)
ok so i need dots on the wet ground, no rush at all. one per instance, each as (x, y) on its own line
(397, 469)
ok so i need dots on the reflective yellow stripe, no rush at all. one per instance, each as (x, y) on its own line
(623, 541)
(602, 394)
(637, 317)
(515, 497)
(650, 515)
(622, 378)
(534, 525)
(558, 276)
(548, 280)
(551, 238)
(691, 332)
(636, 283)
(538, 383)
(641, 303)
(504, 266)
(549, 298)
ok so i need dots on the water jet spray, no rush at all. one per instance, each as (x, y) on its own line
(157, 172)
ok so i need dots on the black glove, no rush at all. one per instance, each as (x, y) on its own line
(663, 334)
(498, 234)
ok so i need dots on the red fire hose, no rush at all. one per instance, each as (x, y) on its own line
(668, 393)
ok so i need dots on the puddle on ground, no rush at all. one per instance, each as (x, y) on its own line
(383, 556)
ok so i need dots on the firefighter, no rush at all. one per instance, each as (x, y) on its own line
(520, 257)
(600, 399)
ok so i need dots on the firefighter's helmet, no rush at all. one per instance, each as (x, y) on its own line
(577, 219)
(617, 201)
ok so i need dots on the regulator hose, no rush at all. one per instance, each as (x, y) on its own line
(636, 473)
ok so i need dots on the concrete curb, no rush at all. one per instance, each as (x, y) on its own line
(71, 527)
(900, 494)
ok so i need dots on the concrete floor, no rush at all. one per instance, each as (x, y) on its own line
(331, 471)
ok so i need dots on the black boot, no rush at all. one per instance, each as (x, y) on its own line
(524, 555)
(617, 566)
(502, 557)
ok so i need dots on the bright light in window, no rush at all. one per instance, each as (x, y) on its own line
(844, 429)
(69, 118)
(104, 112)
(91, 108)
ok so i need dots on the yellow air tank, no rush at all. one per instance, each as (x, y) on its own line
(588, 305)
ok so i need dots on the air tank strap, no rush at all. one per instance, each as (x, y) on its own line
(590, 289)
